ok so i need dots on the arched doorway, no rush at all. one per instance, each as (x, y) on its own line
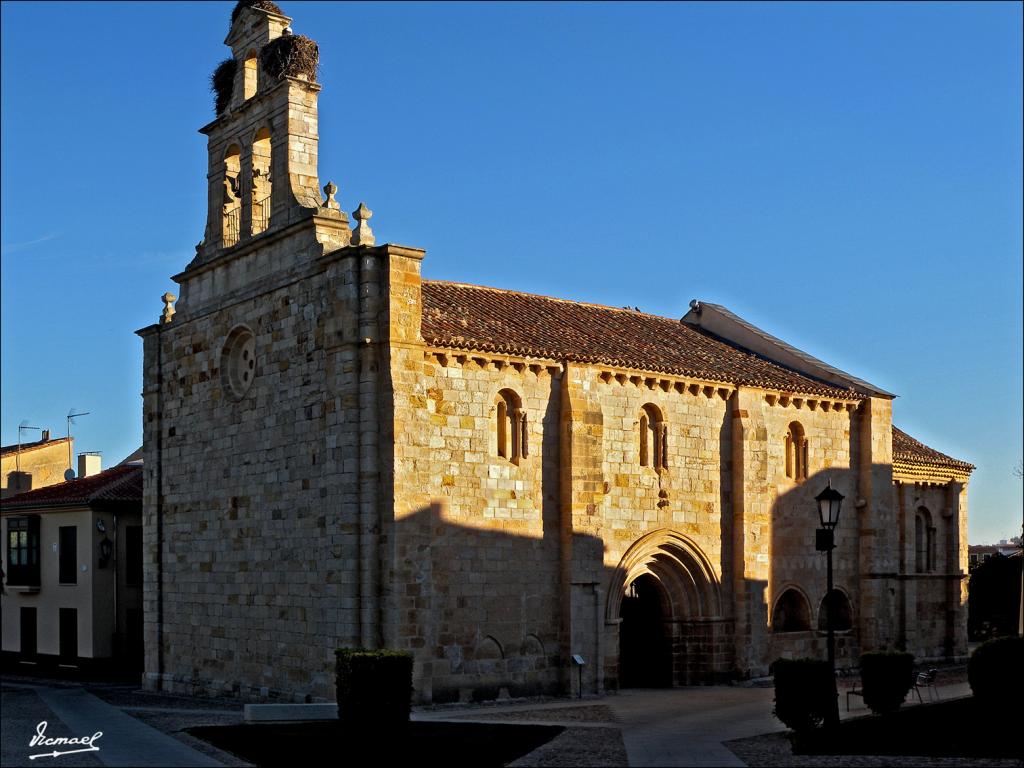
(645, 647)
(664, 599)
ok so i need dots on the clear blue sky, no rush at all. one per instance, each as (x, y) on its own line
(847, 177)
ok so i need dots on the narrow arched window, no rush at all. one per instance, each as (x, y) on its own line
(511, 427)
(261, 187)
(502, 428)
(792, 612)
(653, 434)
(231, 200)
(250, 75)
(796, 452)
(645, 450)
(924, 541)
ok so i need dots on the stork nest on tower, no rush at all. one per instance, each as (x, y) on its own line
(291, 56)
(263, 5)
(221, 82)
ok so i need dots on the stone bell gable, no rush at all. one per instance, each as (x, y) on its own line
(265, 210)
(266, 400)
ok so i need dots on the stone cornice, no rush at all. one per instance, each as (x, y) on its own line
(929, 474)
(638, 378)
(447, 356)
(812, 403)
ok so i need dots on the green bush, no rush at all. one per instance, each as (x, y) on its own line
(374, 687)
(805, 692)
(996, 671)
(886, 677)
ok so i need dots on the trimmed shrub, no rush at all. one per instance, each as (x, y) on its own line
(886, 677)
(374, 687)
(996, 671)
(805, 692)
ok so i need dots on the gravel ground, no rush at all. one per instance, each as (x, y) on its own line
(579, 747)
(773, 750)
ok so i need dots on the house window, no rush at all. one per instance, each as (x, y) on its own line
(511, 427)
(653, 438)
(796, 452)
(29, 634)
(133, 555)
(68, 555)
(792, 613)
(924, 541)
(23, 551)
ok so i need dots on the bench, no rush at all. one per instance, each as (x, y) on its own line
(853, 692)
(923, 680)
(926, 680)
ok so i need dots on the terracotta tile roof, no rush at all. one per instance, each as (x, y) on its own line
(474, 317)
(121, 483)
(905, 448)
(12, 449)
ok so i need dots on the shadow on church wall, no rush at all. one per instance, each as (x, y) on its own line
(795, 602)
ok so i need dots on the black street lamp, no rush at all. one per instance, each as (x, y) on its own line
(829, 503)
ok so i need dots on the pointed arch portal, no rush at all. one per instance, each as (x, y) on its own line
(665, 598)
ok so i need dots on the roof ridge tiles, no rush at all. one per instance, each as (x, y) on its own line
(82, 491)
(468, 316)
(559, 299)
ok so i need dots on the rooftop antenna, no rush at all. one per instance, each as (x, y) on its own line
(70, 473)
(23, 425)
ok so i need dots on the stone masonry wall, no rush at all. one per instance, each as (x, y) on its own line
(477, 555)
(832, 439)
(257, 497)
(932, 599)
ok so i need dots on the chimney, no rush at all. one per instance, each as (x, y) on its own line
(19, 482)
(45, 436)
(89, 464)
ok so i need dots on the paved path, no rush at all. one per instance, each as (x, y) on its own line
(73, 712)
(674, 727)
(678, 726)
(686, 726)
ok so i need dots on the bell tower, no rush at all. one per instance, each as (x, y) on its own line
(262, 146)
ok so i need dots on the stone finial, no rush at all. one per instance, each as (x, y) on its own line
(168, 299)
(331, 189)
(362, 235)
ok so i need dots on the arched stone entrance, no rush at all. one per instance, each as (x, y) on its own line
(645, 645)
(664, 598)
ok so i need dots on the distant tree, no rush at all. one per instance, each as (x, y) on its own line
(993, 600)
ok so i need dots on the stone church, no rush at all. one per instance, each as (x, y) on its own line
(339, 452)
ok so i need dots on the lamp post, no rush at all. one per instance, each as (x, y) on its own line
(829, 502)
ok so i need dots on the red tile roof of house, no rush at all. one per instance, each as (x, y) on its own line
(473, 317)
(11, 449)
(906, 448)
(119, 484)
